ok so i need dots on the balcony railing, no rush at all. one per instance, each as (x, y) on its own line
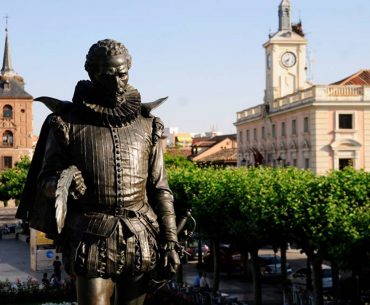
(344, 90)
(323, 94)
(318, 93)
(6, 145)
(250, 112)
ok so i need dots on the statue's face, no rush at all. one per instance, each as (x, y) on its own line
(111, 75)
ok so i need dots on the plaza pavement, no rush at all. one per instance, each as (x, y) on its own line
(15, 264)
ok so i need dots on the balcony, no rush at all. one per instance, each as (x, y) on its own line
(323, 94)
(249, 113)
(319, 94)
(6, 145)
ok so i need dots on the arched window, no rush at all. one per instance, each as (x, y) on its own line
(8, 138)
(8, 111)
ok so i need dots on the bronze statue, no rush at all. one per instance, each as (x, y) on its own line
(110, 236)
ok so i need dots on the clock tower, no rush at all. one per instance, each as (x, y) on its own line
(285, 58)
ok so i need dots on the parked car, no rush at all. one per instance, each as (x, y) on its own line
(230, 259)
(270, 265)
(192, 249)
(299, 277)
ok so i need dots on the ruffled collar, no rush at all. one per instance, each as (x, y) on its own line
(89, 101)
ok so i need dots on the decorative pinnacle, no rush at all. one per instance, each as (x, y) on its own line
(7, 63)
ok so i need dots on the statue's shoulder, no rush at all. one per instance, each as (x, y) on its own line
(54, 105)
(146, 108)
(157, 124)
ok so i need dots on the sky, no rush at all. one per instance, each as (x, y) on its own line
(205, 55)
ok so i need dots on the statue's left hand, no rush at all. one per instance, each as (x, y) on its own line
(78, 185)
(172, 260)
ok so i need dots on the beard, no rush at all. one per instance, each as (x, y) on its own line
(112, 98)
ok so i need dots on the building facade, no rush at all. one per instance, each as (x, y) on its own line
(15, 114)
(317, 127)
(215, 150)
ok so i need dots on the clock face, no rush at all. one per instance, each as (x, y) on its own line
(269, 61)
(288, 59)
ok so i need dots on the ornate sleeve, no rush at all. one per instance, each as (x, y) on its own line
(55, 157)
(161, 196)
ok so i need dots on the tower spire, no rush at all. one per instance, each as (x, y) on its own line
(284, 16)
(7, 63)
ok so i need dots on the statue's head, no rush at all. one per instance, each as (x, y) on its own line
(107, 64)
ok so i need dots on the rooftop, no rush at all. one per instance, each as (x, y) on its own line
(361, 78)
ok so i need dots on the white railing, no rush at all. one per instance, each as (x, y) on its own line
(344, 90)
(293, 98)
(322, 93)
(318, 93)
(249, 112)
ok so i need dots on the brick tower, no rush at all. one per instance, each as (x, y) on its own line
(15, 114)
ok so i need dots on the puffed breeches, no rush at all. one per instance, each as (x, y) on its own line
(129, 249)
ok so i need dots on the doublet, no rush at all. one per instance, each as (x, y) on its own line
(113, 228)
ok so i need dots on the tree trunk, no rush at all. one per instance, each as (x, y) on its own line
(284, 274)
(200, 254)
(180, 274)
(309, 273)
(335, 277)
(246, 269)
(216, 265)
(256, 275)
(317, 281)
(357, 291)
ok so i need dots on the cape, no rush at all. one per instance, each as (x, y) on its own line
(34, 208)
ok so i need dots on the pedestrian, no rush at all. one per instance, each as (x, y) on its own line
(54, 282)
(45, 281)
(203, 282)
(57, 265)
(197, 279)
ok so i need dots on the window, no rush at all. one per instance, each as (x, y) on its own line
(7, 162)
(248, 138)
(255, 134)
(241, 136)
(294, 127)
(305, 124)
(283, 129)
(295, 162)
(8, 138)
(273, 131)
(345, 162)
(306, 163)
(345, 121)
(8, 111)
(263, 132)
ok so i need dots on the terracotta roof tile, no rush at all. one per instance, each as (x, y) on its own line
(361, 78)
(223, 156)
(179, 152)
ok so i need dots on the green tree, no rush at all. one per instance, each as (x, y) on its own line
(177, 162)
(327, 216)
(12, 180)
(345, 237)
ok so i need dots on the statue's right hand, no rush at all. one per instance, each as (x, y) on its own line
(50, 187)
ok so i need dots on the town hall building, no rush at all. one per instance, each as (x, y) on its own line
(316, 127)
(15, 114)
